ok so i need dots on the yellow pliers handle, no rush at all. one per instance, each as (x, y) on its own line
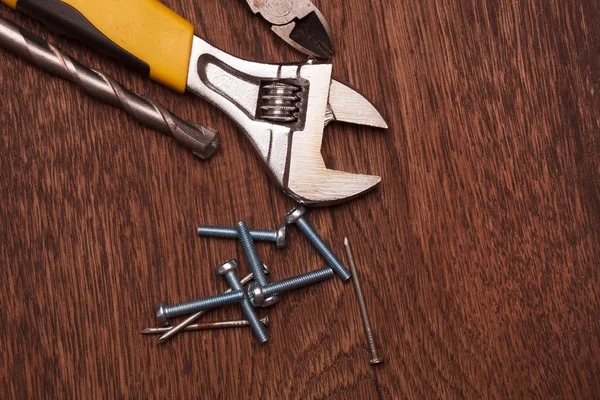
(144, 34)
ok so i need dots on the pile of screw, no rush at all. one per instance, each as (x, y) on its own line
(261, 292)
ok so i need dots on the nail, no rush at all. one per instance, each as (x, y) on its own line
(205, 326)
(363, 308)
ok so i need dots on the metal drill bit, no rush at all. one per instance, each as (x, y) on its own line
(363, 308)
(206, 325)
(202, 141)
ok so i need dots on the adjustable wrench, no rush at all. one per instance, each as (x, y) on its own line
(282, 109)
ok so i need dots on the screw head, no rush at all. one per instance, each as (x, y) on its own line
(269, 301)
(257, 297)
(161, 316)
(227, 266)
(294, 214)
(280, 241)
(255, 294)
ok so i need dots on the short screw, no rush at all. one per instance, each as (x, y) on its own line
(257, 294)
(227, 270)
(164, 312)
(254, 261)
(277, 236)
(296, 216)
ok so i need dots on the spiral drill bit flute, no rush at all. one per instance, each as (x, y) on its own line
(202, 141)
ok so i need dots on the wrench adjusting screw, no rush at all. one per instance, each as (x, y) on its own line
(296, 216)
(254, 261)
(277, 236)
(227, 270)
(280, 102)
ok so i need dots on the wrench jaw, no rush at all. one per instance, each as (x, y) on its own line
(330, 187)
(309, 181)
(283, 110)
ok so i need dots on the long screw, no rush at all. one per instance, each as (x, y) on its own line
(248, 245)
(227, 270)
(296, 216)
(171, 332)
(164, 312)
(363, 308)
(277, 236)
(203, 142)
(206, 325)
(310, 278)
(254, 262)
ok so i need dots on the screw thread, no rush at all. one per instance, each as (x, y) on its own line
(250, 250)
(297, 282)
(263, 235)
(257, 327)
(323, 249)
(206, 303)
(234, 282)
(230, 233)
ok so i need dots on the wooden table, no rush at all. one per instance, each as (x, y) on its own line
(478, 253)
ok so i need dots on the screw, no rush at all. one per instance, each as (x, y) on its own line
(257, 294)
(277, 236)
(363, 307)
(227, 269)
(254, 261)
(164, 312)
(192, 318)
(206, 325)
(296, 216)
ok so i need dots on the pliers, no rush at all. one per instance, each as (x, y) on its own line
(299, 23)
(281, 108)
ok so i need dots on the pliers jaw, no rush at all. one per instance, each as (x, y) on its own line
(283, 110)
(299, 23)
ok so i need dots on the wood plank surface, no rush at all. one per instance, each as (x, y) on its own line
(478, 253)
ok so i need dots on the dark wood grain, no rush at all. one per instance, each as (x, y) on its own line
(478, 254)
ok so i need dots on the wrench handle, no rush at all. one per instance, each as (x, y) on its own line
(144, 34)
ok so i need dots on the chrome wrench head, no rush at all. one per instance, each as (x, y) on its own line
(283, 110)
(299, 23)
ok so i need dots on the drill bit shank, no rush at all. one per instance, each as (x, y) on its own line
(202, 141)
